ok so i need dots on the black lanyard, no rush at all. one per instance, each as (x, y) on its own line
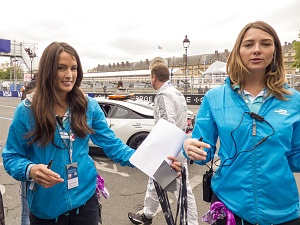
(181, 202)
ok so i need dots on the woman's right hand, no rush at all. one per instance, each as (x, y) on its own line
(44, 176)
(194, 149)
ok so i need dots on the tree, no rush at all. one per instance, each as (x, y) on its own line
(296, 47)
(6, 70)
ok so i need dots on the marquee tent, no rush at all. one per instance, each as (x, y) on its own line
(216, 68)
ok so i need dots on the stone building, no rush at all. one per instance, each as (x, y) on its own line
(196, 64)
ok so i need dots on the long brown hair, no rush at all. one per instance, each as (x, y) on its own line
(274, 80)
(46, 96)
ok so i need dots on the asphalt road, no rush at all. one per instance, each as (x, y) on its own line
(127, 186)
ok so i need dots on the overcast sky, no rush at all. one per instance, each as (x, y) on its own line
(115, 31)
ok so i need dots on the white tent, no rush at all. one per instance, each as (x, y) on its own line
(216, 68)
(176, 71)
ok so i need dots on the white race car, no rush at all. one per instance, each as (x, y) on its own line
(131, 120)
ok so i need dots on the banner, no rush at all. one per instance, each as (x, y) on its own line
(4, 46)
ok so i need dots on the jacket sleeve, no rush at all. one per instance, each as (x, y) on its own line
(105, 138)
(294, 156)
(16, 150)
(206, 128)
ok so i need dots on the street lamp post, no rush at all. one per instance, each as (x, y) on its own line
(31, 55)
(186, 44)
(31, 59)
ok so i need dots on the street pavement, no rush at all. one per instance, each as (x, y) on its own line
(127, 186)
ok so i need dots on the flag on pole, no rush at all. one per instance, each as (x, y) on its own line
(159, 47)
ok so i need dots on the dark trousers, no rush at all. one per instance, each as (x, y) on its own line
(238, 220)
(87, 214)
(2, 217)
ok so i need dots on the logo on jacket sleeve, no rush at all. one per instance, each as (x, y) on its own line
(282, 112)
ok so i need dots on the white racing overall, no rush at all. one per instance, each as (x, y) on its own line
(170, 104)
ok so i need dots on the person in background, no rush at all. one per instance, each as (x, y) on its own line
(169, 104)
(120, 85)
(47, 143)
(29, 88)
(22, 89)
(121, 90)
(24, 205)
(256, 116)
(205, 89)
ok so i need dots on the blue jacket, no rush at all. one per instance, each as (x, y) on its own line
(255, 183)
(49, 203)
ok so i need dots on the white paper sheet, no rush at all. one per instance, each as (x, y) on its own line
(165, 139)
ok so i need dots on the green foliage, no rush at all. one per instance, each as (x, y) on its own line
(296, 47)
(6, 71)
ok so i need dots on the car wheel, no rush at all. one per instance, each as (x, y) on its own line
(136, 140)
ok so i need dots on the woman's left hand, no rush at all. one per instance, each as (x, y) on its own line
(176, 165)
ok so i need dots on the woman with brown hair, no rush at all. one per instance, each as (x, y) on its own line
(47, 144)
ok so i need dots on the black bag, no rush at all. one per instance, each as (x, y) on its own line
(206, 182)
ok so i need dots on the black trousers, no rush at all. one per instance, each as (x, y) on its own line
(2, 216)
(88, 214)
(238, 220)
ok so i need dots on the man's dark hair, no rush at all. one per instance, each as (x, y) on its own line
(161, 71)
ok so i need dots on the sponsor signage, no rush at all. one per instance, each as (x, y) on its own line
(190, 99)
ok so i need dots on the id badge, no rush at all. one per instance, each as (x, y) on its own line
(64, 135)
(72, 172)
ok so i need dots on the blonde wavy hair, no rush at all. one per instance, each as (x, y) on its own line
(274, 80)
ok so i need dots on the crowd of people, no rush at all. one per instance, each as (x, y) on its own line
(254, 116)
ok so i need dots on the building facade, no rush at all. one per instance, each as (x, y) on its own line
(196, 64)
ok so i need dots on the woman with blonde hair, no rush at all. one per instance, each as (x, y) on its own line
(256, 117)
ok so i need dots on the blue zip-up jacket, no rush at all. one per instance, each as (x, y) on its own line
(257, 184)
(49, 203)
